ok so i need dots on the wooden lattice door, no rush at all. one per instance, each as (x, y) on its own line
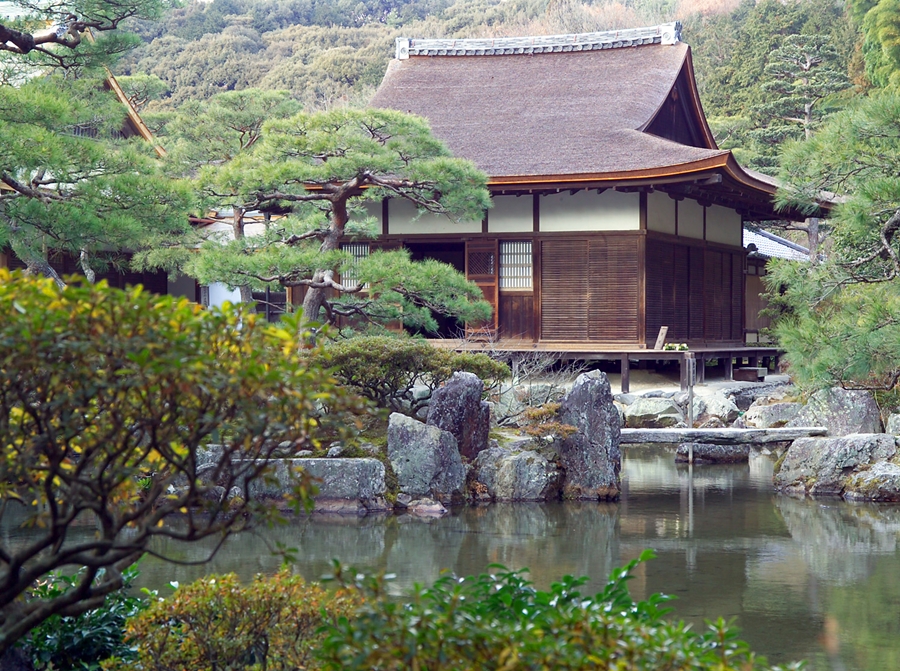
(482, 268)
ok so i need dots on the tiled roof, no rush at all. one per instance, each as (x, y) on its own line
(770, 246)
(668, 33)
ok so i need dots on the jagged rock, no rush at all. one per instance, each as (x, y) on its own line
(771, 415)
(652, 413)
(625, 399)
(517, 476)
(335, 451)
(346, 486)
(590, 456)
(841, 411)
(508, 408)
(831, 466)
(879, 483)
(708, 453)
(426, 460)
(746, 394)
(717, 405)
(304, 453)
(893, 425)
(457, 407)
(712, 423)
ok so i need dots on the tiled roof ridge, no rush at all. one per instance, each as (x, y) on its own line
(666, 33)
(777, 238)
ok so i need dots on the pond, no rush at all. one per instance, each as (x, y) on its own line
(815, 580)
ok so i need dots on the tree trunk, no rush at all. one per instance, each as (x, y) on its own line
(237, 226)
(812, 238)
(35, 264)
(315, 298)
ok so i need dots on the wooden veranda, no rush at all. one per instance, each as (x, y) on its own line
(755, 357)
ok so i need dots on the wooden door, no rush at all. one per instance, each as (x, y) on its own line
(483, 268)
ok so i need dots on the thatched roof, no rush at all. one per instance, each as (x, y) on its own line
(542, 114)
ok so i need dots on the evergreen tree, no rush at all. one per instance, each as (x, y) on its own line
(841, 319)
(324, 169)
(67, 184)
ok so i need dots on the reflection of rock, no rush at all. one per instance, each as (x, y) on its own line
(836, 467)
(517, 476)
(590, 456)
(840, 541)
(841, 411)
(708, 453)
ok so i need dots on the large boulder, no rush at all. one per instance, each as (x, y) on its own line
(893, 424)
(771, 415)
(833, 466)
(517, 476)
(841, 411)
(715, 405)
(346, 486)
(590, 456)
(426, 460)
(652, 413)
(457, 407)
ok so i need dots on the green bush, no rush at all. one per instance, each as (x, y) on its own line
(385, 369)
(107, 398)
(501, 622)
(83, 641)
(216, 623)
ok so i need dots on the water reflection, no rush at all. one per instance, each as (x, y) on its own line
(803, 579)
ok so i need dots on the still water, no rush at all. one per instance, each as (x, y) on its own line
(814, 580)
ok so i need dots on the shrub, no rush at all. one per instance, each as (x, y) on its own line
(105, 398)
(271, 623)
(501, 621)
(385, 369)
(83, 641)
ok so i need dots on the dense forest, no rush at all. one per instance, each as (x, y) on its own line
(329, 54)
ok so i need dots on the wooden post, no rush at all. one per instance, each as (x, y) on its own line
(729, 370)
(701, 369)
(625, 369)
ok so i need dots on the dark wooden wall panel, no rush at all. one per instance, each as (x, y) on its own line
(614, 298)
(565, 290)
(517, 316)
(697, 292)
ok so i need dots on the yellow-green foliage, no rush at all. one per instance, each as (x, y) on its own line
(270, 623)
(105, 398)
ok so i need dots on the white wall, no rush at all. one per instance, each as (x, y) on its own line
(690, 219)
(401, 220)
(219, 293)
(660, 212)
(724, 225)
(512, 214)
(589, 211)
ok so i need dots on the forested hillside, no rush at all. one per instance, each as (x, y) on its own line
(333, 53)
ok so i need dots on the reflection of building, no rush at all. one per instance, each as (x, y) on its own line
(615, 212)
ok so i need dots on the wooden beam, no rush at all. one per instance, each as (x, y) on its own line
(625, 368)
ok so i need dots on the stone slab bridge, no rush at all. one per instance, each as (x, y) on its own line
(719, 436)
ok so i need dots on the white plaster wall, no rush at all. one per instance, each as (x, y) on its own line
(589, 211)
(511, 214)
(660, 212)
(723, 225)
(182, 286)
(219, 293)
(401, 215)
(690, 219)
